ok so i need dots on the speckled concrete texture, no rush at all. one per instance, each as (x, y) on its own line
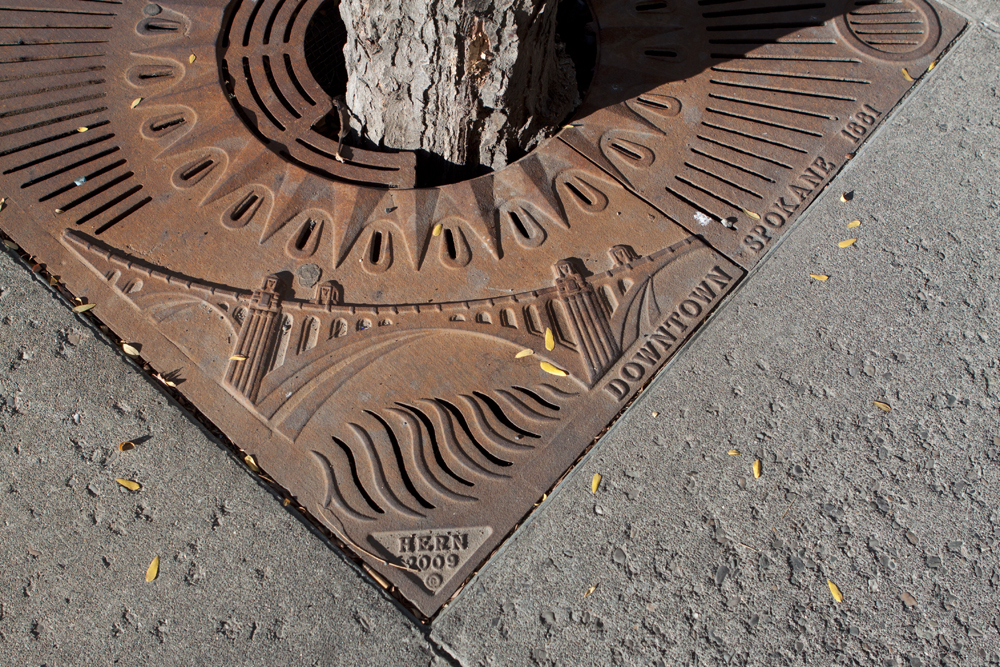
(980, 10)
(696, 561)
(241, 580)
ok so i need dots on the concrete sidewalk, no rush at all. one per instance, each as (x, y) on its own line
(695, 561)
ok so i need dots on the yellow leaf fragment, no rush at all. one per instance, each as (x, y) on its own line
(655, 415)
(53, 280)
(153, 569)
(932, 66)
(756, 469)
(884, 407)
(553, 370)
(192, 58)
(83, 307)
(129, 484)
(251, 463)
(906, 75)
(126, 446)
(82, 129)
(819, 276)
(378, 578)
(438, 228)
(834, 591)
(130, 350)
(853, 223)
(286, 502)
(590, 591)
(735, 452)
(10, 244)
(595, 482)
(751, 214)
(550, 340)
(847, 243)
(135, 102)
(524, 353)
(238, 357)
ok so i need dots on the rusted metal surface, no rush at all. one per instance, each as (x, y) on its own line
(757, 105)
(360, 338)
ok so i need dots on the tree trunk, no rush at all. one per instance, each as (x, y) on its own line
(474, 82)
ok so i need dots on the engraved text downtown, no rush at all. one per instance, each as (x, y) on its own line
(648, 355)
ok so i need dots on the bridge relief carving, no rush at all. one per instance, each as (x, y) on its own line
(408, 452)
(281, 344)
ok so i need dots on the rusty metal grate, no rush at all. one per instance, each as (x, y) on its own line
(361, 337)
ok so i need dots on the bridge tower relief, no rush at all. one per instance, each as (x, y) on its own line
(588, 319)
(257, 340)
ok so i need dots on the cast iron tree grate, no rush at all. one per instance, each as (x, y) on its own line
(368, 342)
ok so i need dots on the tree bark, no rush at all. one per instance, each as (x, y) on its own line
(475, 82)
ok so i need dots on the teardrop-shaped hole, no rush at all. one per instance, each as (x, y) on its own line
(305, 240)
(449, 242)
(525, 226)
(161, 126)
(518, 225)
(304, 234)
(623, 148)
(194, 172)
(378, 254)
(583, 194)
(580, 194)
(455, 250)
(626, 153)
(142, 76)
(158, 26)
(662, 106)
(242, 211)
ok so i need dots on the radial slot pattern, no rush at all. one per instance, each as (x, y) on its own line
(419, 366)
(267, 47)
(57, 144)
